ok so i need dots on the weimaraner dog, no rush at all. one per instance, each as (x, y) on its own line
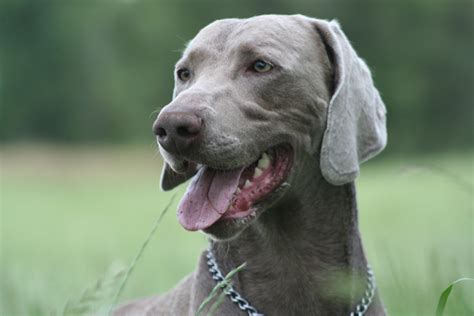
(271, 118)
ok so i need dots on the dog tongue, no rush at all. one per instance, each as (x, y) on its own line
(208, 197)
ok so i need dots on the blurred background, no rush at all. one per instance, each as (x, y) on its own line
(80, 84)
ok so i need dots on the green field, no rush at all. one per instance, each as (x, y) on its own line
(70, 214)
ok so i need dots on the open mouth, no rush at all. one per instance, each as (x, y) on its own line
(218, 195)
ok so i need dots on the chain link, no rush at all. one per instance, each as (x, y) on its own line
(369, 293)
(244, 305)
(229, 290)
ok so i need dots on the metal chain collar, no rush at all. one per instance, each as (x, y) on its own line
(229, 290)
(244, 305)
(369, 293)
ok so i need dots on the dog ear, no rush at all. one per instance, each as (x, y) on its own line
(355, 130)
(171, 179)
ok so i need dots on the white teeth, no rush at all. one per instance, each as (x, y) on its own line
(264, 162)
(238, 190)
(257, 173)
(247, 184)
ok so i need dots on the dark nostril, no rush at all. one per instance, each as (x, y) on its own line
(185, 131)
(160, 132)
(177, 130)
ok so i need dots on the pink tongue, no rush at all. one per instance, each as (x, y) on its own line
(208, 197)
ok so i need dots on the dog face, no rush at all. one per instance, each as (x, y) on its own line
(251, 101)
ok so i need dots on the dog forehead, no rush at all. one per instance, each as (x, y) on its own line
(276, 31)
(214, 35)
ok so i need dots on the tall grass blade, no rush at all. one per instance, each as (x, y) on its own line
(443, 299)
(221, 285)
(211, 295)
(139, 254)
(94, 297)
(217, 303)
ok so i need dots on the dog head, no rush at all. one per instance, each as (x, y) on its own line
(252, 97)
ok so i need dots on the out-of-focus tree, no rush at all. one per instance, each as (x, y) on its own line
(94, 71)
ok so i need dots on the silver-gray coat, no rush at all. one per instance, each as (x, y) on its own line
(305, 245)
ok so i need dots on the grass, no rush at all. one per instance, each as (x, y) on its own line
(69, 215)
(443, 299)
(219, 291)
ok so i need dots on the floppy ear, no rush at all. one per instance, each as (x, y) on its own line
(355, 130)
(171, 179)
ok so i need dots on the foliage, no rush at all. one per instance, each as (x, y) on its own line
(94, 298)
(67, 213)
(139, 254)
(222, 286)
(443, 299)
(95, 71)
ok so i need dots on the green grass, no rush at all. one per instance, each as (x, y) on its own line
(68, 215)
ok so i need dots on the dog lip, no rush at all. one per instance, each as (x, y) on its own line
(257, 187)
(219, 195)
(230, 163)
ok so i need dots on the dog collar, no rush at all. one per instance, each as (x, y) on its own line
(243, 304)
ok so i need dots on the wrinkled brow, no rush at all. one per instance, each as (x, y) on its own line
(195, 55)
(262, 49)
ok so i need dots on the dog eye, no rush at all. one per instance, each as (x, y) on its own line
(183, 74)
(261, 66)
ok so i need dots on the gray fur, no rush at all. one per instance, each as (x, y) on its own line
(304, 246)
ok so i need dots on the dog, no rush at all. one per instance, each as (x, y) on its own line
(271, 117)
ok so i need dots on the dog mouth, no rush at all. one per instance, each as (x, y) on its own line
(224, 195)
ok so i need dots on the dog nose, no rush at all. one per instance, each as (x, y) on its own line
(176, 131)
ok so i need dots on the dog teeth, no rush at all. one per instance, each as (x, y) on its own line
(257, 173)
(238, 190)
(247, 184)
(264, 162)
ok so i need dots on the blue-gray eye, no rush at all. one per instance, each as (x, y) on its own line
(184, 74)
(261, 66)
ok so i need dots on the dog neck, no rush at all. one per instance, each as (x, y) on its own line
(304, 255)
